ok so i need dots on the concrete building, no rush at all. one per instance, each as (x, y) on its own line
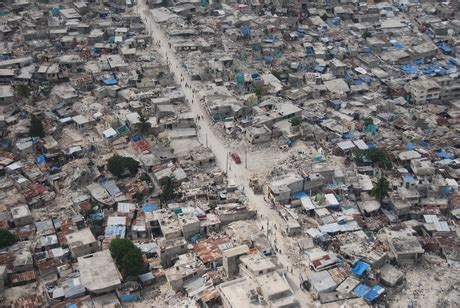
(190, 225)
(186, 268)
(406, 250)
(6, 95)
(81, 243)
(424, 91)
(170, 249)
(255, 265)
(98, 272)
(21, 215)
(231, 259)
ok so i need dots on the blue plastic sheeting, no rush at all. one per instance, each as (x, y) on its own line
(117, 231)
(320, 68)
(96, 216)
(309, 51)
(360, 268)
(361, 290)
(453, 61)
(409, 69)
(71, 306)
(256, 76)
(335, 21)
(408, 178)
(245, 31)
(40, 159)
(268, 59)
(445, 48)
(110, 82)
(435, 70)
(444, 155)
(149, 207)
(299, 195)
(137, 138)
(374, 293)
(129, 298)
(371, 146)
(410, 146)
(347, 136)
(366, 79)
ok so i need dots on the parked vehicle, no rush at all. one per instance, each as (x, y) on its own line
(236, 158)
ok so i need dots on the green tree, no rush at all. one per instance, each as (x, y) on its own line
(378, 157)
(121, 166)
(22, 91)
(295, 121)
(6, 238)
(258, 91)
(381, 189)
(143, 125)
(127, 257)
(366, 34)
(167, 190)
(36, 127)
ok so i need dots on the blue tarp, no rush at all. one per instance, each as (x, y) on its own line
(444, 155)
(361, 290)
(40, 159)
(137, 138)
(374, 293)
(299, 195)
(96, 216)
(409, 69)
(435, 70)
(453, 61)
(371, 146)
(309, 51)
(71, 306)
(256, 76)
(110, 82)
(117, 231)
(320, 68)
(129, 298)
(360, 268)
(410, 146)
(408, 178)
(245, 31)
(149, 207)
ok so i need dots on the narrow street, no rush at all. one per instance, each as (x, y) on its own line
(238, 172)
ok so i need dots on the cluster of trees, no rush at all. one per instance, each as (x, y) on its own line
(167, 190)
(376, 156)
(6, 238)
(36, 127)
(122, 166)
(128, 257)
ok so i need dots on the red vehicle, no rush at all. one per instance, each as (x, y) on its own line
(236, 158)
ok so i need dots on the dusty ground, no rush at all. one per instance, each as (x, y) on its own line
(432, 283)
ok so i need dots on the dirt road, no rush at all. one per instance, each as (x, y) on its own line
(238, 172)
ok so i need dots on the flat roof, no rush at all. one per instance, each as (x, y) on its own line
(80, 238)
(98, 272)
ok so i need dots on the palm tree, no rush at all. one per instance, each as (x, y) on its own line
(381, 189)
(143, 124)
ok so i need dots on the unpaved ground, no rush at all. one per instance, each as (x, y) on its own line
(259, 161)
(432, 283)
